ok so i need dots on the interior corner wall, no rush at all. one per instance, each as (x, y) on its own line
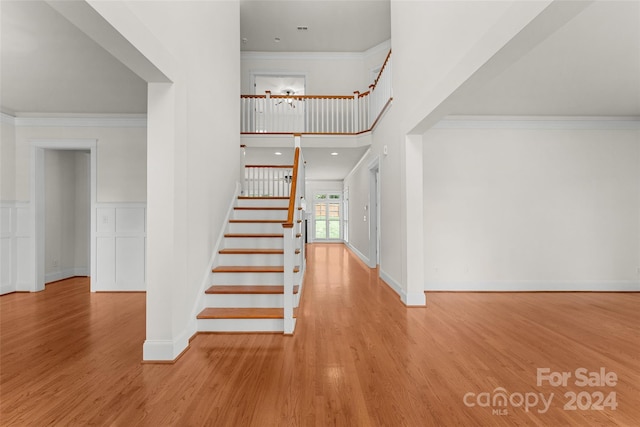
(429, 40)
(532, 209)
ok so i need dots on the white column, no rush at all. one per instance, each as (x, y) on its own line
(161, 179)
(412, 221)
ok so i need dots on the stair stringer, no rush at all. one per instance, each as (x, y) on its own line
(213, 262)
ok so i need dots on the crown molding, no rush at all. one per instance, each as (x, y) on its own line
(69, 120)
(7, 119)
(320, 56)
(540, 122)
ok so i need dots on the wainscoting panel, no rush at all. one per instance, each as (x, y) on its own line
(16, 270)
(120, 247)
(7, 253)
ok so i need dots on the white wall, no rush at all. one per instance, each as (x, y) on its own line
(532, 209)
(326, 73)
(121, 181)
(7, 158)
(121, 157)
(194, 152)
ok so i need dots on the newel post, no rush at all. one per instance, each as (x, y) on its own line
(243, 183)
(289, 260)
(356, 111)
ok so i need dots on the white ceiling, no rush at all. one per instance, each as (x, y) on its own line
(333, 25)
(49, 66)
(321, 165)
(589, 67)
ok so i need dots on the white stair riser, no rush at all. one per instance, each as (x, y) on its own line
(255, 227)
(247, 278)
(251, 259)
(244, 300)
(260, 243)
(277, 203)
(240, 325)
(261, 214)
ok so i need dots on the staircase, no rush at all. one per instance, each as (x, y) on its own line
(247, 284)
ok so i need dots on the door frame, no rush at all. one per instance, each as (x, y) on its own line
(37, 204)
(374, 212)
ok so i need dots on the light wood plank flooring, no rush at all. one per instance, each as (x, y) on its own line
(358, 358)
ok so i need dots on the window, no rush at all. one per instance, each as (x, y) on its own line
(327, 216)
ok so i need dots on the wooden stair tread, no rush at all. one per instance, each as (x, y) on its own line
(250, 251)
(253, 251)
(249, 289)
(263, 198)
(258, 221)
(242, 313)
(252, 269)
(259, 208)
(256, 235)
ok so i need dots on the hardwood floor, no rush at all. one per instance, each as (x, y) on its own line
(358, 358)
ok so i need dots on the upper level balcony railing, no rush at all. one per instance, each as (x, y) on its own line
(318, 114)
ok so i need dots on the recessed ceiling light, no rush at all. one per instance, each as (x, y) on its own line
(334, 154)
(277, 153)
(277, 39)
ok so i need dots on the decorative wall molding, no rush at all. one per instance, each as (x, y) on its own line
(113, 122)
(539, 122)
(320, 56)
(535, 286)
(65, 274)
(120, 254)
(80, 120)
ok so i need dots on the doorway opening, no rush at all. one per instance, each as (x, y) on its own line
(63, 209)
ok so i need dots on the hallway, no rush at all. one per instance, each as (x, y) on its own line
(359, 357)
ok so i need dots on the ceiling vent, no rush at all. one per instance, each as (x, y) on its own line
(302, 28)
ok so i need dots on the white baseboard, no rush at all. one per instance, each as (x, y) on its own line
(536, 286)
(392, 284)
(359, 254)
(66, 274)
(414, 299)
(6, 289)
(162, 350)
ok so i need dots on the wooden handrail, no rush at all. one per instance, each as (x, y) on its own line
(384, 64)
(294, 185)
(300, 97)
(269, 166)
